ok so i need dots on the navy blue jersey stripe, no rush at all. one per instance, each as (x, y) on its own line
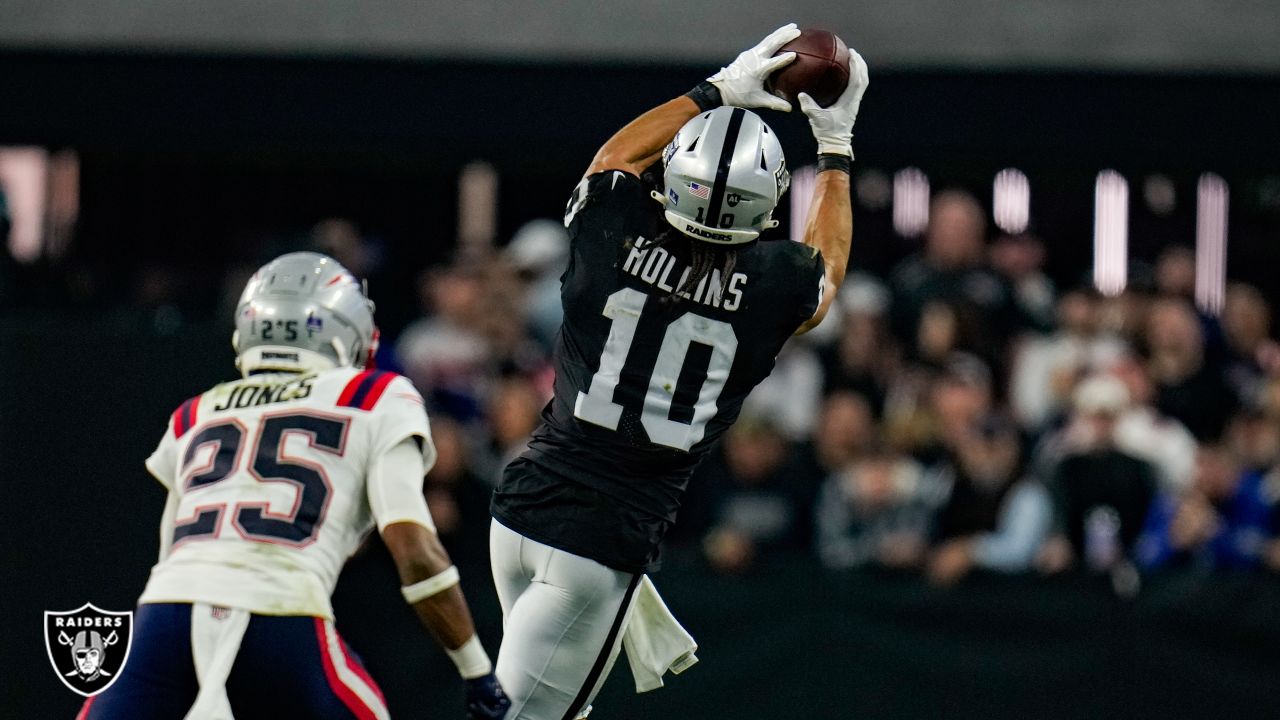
(189, 412)
(357, 399)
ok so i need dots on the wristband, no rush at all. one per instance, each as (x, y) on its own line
(834, 161)
(471, 659)
(705, 95)
(424, 589)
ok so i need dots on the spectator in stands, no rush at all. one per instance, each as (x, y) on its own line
(444, 353)
(928, 414)
(952, 270)
(1047, 368)
(864, 357)
(1254, 439)
(513, 410)
(539, 252)
(845, 431)
(875, 512)
(1020, 260)
(457, 498)
(1140, 431)
(760, 507)
(993, 517)
(1124, 316)
(792, 394)
(1223, 523)
(1101, 494)
(341, 239)
(1251, 354)
(1175, 272)
(1189, 387)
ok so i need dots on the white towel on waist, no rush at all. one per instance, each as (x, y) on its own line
(216, 633)
(655, 642)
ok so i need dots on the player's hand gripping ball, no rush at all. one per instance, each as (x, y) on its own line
(832, 124)
(820, 68)
(741, 82)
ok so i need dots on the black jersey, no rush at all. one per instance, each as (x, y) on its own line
(645, 383)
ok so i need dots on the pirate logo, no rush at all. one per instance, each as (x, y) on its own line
(88, 647)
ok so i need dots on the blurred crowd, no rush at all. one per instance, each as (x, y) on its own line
(957, 411)
(961, 413)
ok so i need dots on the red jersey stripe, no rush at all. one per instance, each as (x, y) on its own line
(184, 418)
(193, 410)
(349, 391)
(355, 667)
(344, 693)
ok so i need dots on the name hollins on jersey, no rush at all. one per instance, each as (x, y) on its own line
(243, 395)
(655, 266)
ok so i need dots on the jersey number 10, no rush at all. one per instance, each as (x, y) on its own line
(597, 407)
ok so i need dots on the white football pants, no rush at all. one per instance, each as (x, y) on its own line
(563, 617)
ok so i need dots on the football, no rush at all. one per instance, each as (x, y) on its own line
(821, 68)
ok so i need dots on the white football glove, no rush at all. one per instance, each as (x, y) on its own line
(741, 83)
(833, 126)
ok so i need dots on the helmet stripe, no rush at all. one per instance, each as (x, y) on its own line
(722, 170)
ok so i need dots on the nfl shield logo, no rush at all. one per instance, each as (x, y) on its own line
(88, 647)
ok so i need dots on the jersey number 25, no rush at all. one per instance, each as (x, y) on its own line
(267, 463)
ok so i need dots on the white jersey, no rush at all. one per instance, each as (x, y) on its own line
(269, 489)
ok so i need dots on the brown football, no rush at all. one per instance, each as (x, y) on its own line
(821, 68)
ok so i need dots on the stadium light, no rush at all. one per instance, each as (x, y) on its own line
(1110, 232)
(477, 207)
(1011, 200)
(910, 202)
(1211, 243)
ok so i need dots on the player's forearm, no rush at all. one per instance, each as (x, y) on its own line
(830, 230)
(446, 616)
(419, 557)
(641, 141)
(430, 583)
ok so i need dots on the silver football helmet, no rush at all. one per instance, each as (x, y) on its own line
(724, 173)
(303, 312)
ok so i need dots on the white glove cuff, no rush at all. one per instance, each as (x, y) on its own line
(471, 659)
(424, 589)
(827, 147)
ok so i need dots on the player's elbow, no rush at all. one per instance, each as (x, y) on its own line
(812, 322)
